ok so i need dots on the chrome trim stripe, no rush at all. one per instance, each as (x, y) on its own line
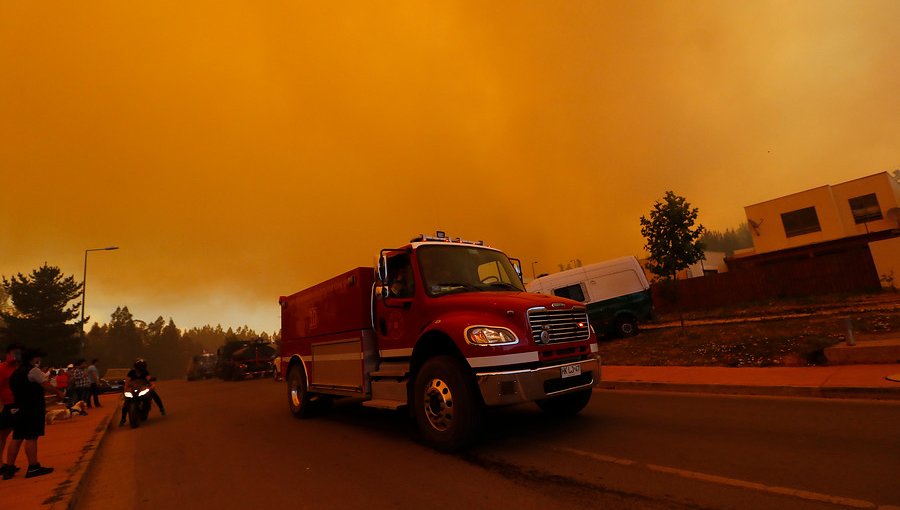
(532, 370)
(507, 359)
(395, 353)
(563, 324)
(354, 356)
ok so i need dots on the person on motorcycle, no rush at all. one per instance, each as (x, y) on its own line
(140, 375)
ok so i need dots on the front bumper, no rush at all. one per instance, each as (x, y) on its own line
(253, 373)
(516, 386)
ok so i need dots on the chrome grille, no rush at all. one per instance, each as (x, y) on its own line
(561, 325)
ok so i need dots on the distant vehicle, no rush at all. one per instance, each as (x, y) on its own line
(113, 381)
(616, 292)
(246, 359)
(202, 366)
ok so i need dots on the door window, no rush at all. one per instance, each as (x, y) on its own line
(575, 291)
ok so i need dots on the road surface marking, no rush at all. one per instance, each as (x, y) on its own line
(721, 480)
(597, 456)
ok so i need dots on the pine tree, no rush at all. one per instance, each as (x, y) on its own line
(126, 342)
(672, 240)
(41, 316)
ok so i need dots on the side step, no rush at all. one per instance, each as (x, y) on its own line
(391, 369)
(390, 394)
(393, 405)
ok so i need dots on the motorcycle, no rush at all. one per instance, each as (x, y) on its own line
(137, 402)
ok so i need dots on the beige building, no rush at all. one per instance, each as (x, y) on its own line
(860, 206)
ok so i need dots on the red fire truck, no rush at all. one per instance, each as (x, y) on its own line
(442, 327)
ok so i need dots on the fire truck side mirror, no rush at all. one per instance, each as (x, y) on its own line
(382, 270)
(517, 265)
(385, 292)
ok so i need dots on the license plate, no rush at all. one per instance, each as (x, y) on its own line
(570, 371)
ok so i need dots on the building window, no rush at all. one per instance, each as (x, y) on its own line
(571, 292)
(801, 221)
(865, 208)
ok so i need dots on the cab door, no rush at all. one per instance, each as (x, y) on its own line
(398, 310)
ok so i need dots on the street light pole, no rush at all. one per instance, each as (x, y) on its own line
(84, 285)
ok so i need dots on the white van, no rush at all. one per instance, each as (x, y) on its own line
(616, 292)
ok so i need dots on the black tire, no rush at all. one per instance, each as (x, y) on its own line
(298, 393)
(569, 404)
(446, 404)
(133, 410)
(626, 326)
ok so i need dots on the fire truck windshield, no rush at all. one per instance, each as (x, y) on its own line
(450, 268)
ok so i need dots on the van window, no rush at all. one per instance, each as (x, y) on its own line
(571, 292)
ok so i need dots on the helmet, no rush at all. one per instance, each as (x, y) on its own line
(140, 364)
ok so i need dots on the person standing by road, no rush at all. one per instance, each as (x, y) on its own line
(28, 384)
(62, 382)
(80, 383)
(94, 378)
(7, 400)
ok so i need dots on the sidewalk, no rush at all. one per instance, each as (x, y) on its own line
(843, 381)
(68, 446)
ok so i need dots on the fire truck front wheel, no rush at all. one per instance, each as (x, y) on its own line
(446, 404)
(298, 395)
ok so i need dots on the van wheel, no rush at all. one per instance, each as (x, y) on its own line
(297, 392)
(626, 326)
(446, 404)
(566, 405)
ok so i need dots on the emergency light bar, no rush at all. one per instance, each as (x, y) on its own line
(441, 236)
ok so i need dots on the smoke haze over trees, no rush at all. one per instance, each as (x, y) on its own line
(729, 240)
(166, 348)
(35, 311)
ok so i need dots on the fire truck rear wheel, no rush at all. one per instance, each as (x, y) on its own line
(566, 405)
(447, 405)
(298, 394)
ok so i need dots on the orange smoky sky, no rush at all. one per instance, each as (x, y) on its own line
(238, 151)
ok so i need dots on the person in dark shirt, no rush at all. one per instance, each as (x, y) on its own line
(28, 384)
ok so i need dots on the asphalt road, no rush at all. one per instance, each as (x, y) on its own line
(235, 446)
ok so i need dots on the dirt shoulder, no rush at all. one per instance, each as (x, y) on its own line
(778, 333)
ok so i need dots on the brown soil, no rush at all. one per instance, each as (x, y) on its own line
(785, 333)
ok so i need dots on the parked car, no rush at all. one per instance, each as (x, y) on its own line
(202, 366)
(113, 381)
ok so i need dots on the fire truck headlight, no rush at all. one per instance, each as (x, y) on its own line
(486, 335)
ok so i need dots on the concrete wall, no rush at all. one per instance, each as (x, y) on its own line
(886, 255)
(887, 191)
(770, 234)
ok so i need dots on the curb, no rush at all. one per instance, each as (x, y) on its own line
(770, 391)
(66, 495)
